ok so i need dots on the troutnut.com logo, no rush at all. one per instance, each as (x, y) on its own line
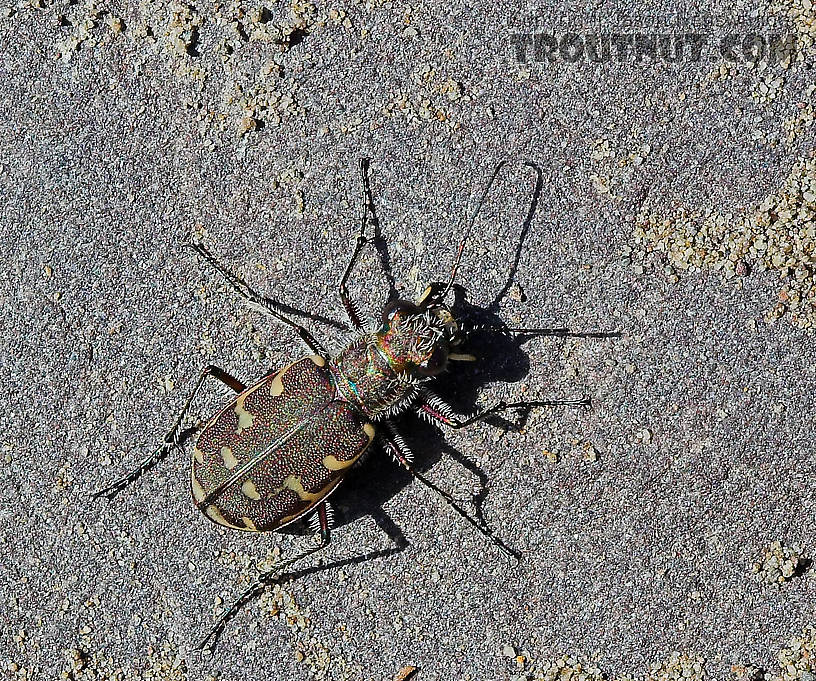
(570, 47)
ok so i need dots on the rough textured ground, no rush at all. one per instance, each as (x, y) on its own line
(646, 523)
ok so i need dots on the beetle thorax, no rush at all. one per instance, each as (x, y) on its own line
(366, 377)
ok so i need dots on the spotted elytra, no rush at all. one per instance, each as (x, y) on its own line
(277, 451)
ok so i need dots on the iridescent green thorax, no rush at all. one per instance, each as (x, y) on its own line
(365, 377)
(377, 372)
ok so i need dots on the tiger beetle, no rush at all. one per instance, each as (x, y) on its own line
(276, 452)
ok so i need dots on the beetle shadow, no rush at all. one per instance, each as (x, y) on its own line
(369, 487)
(378, 479)
(381, 246)
(525, 228)
(388, 527)
(503, 359)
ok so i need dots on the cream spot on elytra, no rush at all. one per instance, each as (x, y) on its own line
(249, 490)
(229, 458)
(198, 490)
(245, 419)
(215, 513)
(334, 464)
(293, 483)
(276, 387)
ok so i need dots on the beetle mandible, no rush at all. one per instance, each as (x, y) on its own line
(281, 446)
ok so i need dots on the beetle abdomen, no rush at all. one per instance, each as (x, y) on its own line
(278, 449)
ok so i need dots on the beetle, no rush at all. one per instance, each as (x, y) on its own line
(276, 452)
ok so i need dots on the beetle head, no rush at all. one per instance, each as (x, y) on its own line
(419, 337)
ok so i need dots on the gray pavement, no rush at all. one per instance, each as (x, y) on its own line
(645, 523)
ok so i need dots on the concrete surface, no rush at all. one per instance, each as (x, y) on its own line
(638, 520)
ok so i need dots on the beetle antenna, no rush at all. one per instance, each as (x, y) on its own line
(469, 227)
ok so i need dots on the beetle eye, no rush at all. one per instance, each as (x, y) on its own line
(395, 306)
(435, 363)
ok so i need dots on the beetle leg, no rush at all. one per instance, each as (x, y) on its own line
(174, 436)
(435, 408)
(396, 447)
(261, 303)
(352, 311)
(324, 519)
